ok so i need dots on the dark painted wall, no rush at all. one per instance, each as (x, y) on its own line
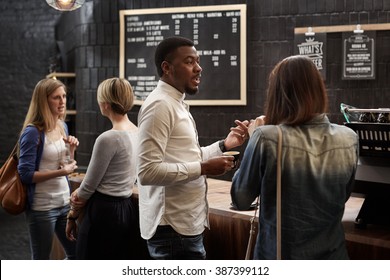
(26, 44)
(91, 44)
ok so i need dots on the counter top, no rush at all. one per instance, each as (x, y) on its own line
(228, 224)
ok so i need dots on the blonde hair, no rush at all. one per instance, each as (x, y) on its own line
(118, 93)
(39, 113)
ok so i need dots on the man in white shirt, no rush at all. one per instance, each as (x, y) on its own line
(172, 166)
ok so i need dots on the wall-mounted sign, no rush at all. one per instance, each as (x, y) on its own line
(219, 34)
(312, 45)
(359, 55)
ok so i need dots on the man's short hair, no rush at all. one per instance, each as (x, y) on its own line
(166, 47)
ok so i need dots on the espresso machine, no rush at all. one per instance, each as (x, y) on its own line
(372, 177)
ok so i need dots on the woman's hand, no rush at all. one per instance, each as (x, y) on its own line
(73, 143)
(255, 123)
(76, 202)
(71, 229)
(69, 167)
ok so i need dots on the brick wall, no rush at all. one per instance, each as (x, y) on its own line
(91, 39)
(27, 41)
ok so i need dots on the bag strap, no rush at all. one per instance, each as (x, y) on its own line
(279, 196)
(15, 152)
(252, 232)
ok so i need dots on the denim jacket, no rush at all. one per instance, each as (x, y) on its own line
(319, 161)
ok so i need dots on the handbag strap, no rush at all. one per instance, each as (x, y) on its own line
(279, 196)
(252, 231)
(14, 153)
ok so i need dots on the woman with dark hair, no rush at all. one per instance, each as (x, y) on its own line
(319, 162)
(43, 170)
(109, 228)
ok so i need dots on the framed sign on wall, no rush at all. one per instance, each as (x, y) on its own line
(312, 45)
(219, 35)
(359, 55)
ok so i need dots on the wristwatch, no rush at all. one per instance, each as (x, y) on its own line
(222, 146)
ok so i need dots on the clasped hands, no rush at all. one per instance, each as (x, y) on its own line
(76, 204)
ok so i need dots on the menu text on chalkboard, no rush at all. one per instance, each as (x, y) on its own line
(219, 35)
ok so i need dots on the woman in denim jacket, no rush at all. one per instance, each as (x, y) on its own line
(319, 161)
(43, 170)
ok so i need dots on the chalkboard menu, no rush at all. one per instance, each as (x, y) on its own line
(219, 35)
(359, 55)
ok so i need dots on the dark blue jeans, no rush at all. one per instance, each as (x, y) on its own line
(167, 244)
(42, 226)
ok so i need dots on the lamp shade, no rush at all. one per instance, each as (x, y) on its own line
(65, 5)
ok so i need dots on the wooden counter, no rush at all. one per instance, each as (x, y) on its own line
(228, 236)
(229, 229)
(229, 233)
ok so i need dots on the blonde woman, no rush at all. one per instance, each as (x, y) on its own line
(109, 229)
(43, 170)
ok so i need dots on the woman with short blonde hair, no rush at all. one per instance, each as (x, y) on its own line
(109, 229)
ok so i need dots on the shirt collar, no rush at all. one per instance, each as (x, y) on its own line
(320, 118)
(174, 93)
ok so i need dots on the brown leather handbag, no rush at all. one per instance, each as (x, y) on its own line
(13, 194)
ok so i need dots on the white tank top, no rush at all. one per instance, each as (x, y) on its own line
(52, 193)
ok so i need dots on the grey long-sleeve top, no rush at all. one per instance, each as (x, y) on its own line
(112, 169)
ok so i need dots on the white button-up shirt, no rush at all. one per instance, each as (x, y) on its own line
(171, 188)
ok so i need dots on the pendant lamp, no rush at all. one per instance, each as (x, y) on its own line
(65, 5)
